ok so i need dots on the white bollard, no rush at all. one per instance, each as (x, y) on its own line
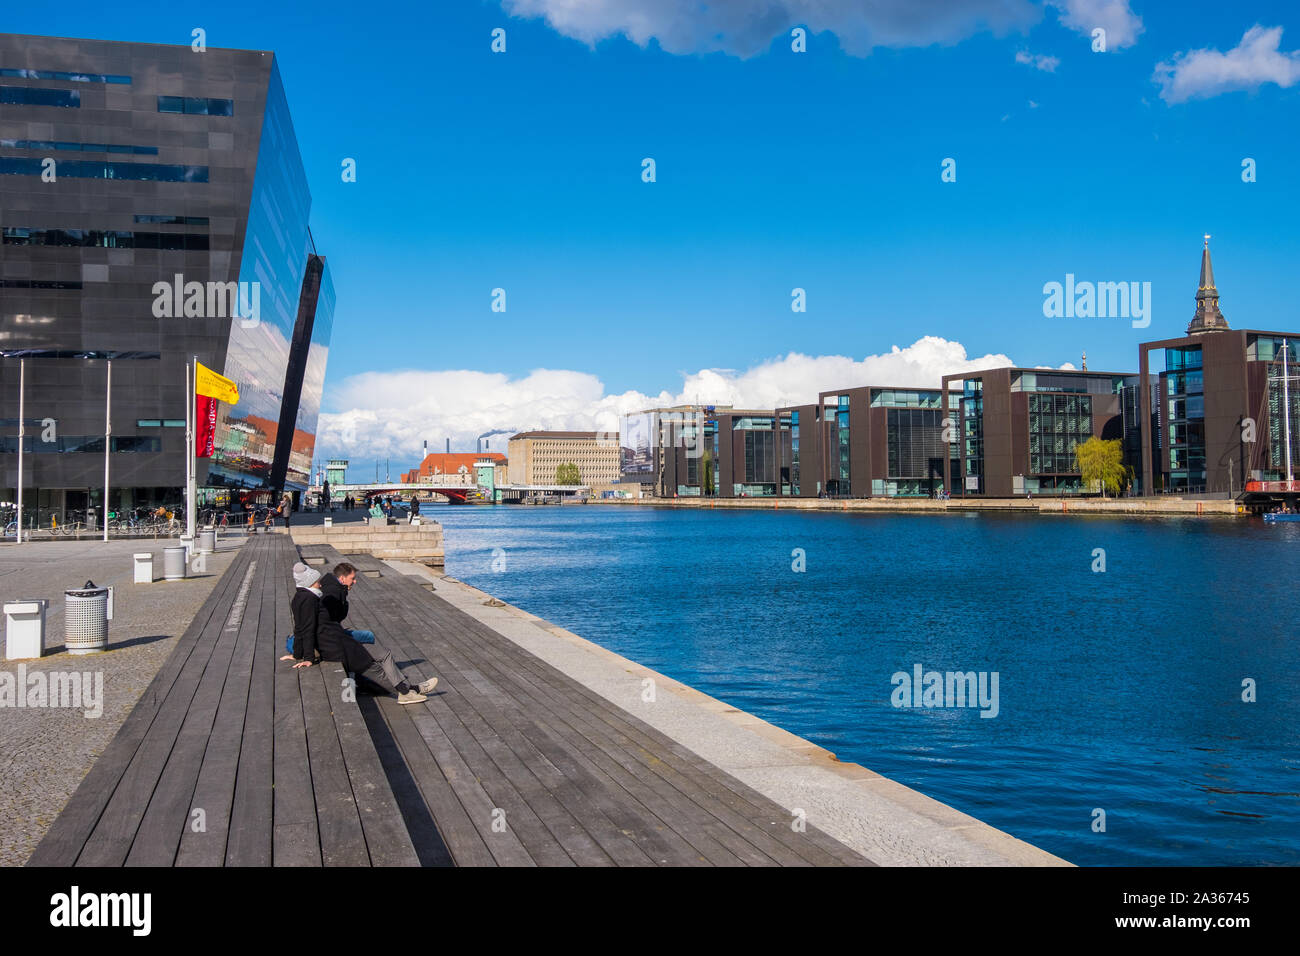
(25, 628)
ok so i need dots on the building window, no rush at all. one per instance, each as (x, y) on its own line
(196, 106)
(86, 169)
(104, 239)
(49, 146)
(31, 96)
(174, 220)
(66, 77)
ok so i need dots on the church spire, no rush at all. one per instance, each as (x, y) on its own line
(1208, 318)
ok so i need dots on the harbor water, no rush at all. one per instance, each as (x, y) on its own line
(1125, 650)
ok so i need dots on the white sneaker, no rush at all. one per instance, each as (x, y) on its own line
(426, 687)
(411, 697)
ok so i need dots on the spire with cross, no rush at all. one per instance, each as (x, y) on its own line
(1208, 318)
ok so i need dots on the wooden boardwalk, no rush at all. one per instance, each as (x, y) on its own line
(234, 758)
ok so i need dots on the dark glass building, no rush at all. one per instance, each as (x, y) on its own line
(882, 441)
(153, 208)
(1218, 418)
(1017, 428)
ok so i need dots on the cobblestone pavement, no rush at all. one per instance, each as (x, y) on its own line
(46, 751)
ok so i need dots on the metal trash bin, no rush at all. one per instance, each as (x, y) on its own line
(329, 522)
(143, 567)
(207, 541)
(25, 628)
(174, 563)
(86, 612)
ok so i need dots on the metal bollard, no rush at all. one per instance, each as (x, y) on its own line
(174, 563)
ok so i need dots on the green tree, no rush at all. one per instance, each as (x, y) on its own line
(708, 473)
(568, 474)
(1101, 461)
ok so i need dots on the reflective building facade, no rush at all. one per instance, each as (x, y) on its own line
(153, 208)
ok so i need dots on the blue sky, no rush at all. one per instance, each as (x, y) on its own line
(775, 170)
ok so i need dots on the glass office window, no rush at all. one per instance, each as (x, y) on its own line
(33, 96)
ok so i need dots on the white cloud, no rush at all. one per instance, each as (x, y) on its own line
(1121, 24)
(1254, 61)
(1038, 61)
(747, 27)
(390, 414)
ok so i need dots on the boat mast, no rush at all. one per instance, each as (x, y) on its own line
(1286, 412)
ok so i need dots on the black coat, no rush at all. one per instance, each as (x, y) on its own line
(334, 598)
(415, 506)
(314, 632)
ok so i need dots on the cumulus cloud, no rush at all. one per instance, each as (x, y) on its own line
(747, 27)
(1256, 60)
(390, 414)
(1121, 24)
(1038, 61)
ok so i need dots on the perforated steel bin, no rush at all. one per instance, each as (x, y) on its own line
(207, 541)
(85, 619)
(174, 563)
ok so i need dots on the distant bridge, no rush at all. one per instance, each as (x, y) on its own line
(455, 487)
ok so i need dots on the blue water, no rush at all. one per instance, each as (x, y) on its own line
(1119, 691)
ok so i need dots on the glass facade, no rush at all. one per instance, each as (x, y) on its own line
(972, 410)
(1058, 424)
(1184, 418)
(277, 242)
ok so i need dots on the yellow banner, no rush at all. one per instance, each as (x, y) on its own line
(209, 383)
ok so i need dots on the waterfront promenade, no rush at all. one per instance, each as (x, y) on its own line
(536, 749)
(1157, 506)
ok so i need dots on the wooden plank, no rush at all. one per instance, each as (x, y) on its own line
(551, 795)
(741, 811)
(250, 840)
(342, 842)
(423, 831)
(64, 840)
(462, 837)
(110, 841)
(388, 843)
(295, 832)
(215, 788)
(158, 839)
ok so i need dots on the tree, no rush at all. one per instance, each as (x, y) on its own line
(708, 473)
(568, 474)
(1101, 462)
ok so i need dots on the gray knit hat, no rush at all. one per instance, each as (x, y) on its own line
(303, 576)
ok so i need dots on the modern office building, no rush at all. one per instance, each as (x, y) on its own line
(1218, 418)
(1017, 428)
(153, 208)
(750, 453)
(670, 452)
(535, 456)
(882, 441)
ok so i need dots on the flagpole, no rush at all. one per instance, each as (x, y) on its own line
(108, 439)
(22, 394)
(192, 413)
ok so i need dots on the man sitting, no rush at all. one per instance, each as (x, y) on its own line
(314, 631)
